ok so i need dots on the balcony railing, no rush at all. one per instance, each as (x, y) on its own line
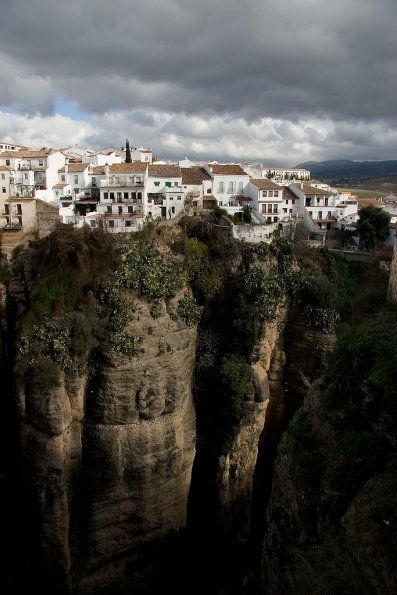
(121, 184)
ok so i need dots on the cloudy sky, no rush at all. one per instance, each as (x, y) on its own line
(281, 82)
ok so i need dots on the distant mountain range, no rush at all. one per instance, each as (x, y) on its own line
(344, 172)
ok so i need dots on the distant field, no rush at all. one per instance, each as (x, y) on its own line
(366, 193)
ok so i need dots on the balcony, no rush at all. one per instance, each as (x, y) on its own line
(121, 184)
(123, 215)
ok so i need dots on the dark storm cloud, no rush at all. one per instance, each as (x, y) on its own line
(241, 59)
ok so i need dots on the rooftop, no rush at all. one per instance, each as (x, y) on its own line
(226, 169)
(75, 167)
(194, 175)
(136, 167)
(265, 184)
(164, 171)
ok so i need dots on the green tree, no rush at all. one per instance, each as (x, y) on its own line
(373, 226)
(127, 152)
(247, 217)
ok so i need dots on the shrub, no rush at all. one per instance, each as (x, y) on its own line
(126, 344)
(189, 310)
(235, 374)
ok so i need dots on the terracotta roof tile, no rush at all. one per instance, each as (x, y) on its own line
(164, 171)
(124, 168)
(194, 175)
(75, 168)
(227, 169)
(265, 184)
(98, 170)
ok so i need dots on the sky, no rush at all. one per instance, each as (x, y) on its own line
(279, 82)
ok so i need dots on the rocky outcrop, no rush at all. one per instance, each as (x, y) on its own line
(236, 469)
(109, 456)
(393, 277)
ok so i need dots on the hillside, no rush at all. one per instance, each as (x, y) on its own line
(375, 175)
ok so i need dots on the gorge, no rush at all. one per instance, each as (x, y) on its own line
(186, 411)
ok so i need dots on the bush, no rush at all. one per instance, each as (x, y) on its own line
(235, 374)
(189, 310)
(126, 344)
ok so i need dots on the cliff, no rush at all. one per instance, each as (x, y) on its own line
(108, 444)
(332, 509)
(179, 424)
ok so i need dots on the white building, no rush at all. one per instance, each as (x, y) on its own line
(164, 192)
(229, 186)
(9, 146)
(33, 173)
(122, 205)
(267, 198)
(197, 187)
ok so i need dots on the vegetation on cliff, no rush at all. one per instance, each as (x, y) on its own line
(341, 453)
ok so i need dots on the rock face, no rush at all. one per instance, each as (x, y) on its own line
(110, 457)
(393, 277)
(236, 469)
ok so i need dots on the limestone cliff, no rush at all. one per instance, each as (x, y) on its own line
(332, 503)
(393, 277)
(111, 465)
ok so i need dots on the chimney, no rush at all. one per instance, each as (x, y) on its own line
(107, 169)
(66, 168)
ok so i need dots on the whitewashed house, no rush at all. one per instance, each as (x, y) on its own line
(229, 186)
(197, 188)
(267, 198)
(122, 206)
(164, 192)
(9, 146)
(33, 173)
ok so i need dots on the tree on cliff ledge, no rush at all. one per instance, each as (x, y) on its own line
(127, 152)
(373, 226)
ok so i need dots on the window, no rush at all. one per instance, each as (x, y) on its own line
(264, 192)
(128, 223)
(320, 215)
(208, 190)
(111, 223)
(125, 194)
(93, 223)
(19, 209)
(106, 195)
(175, 183)
(111, 194)
(118, 195)
(3, 190)
(275, 208)
(41, 163)
(7, 162)
(157, 183)
(138, 180)
(25, 176)
(62, 178)
(230, 188)
(172, 209)
(168, 184)
(240, 186)
(7, 209)
(311, 213)
(276, 194)
(221, 189)
(130, 210)
(120, 210)
(171, 198)
(93, 180)
(109, 209)
(3, 176)
(270, 193)
(269, 208)
(179, 198)
(76, 179)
